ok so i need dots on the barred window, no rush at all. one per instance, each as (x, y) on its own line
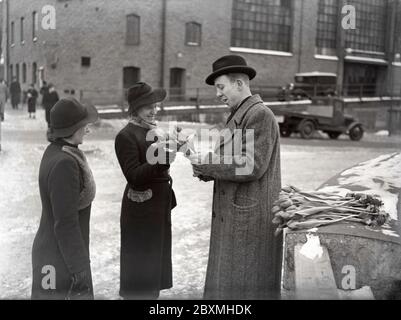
(12, 31)
(193, 34)
(327, 21)
(133, 29)
(34, 73)
(22, 29)
(17, 71)
(35, 25)
(262, 24)
(24, 72)
(371, 20)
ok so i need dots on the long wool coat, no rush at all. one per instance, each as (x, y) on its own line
(62, 240)
(32, 100)
(145, 260)
(245, 256)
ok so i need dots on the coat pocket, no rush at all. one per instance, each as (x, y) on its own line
(244, 205)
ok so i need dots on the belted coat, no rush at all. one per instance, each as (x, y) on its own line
(245, 256)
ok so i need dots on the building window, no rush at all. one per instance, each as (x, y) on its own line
(35, 25)
(327, 22)
(193, 34)
(371, 23)
(11, 72)
(12, 31)
(34, 73)
(262, 24)
(22, 29)
(85, 62)
(24, 73)
(133, 29)
(17, 71)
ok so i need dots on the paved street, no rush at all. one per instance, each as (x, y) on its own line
(305, 164)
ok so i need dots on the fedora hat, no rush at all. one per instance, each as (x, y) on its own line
(141, 94)
(230, 64)
(68, 115)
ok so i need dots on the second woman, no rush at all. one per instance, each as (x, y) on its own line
(145, 261)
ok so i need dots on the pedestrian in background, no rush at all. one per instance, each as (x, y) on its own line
(3, 98)
(145, 260)
(15, 93)
(32, 96)
(49, 99)
(245, 256)
(67, 189)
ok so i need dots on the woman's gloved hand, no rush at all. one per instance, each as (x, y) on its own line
(81, 286)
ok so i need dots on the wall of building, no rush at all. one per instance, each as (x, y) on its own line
(97, 29)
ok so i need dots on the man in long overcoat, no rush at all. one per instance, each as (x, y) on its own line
(15, 93)
(245, 256)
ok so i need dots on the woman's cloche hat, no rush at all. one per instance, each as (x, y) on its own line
(230, 64)
(68, 115)
(141, 94)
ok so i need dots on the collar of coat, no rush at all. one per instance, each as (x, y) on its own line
(240, 113)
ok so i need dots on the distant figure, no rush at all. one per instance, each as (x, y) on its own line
(32, 96)
(3, 98)
(50, 97)
(44, 89)
(15, 93)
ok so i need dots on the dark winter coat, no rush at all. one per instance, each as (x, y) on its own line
(32, 99)
(145, 261)
(62, 240)
(15, 92)
(245, 256)
(48, 101)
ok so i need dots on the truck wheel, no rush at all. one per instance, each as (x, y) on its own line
(334, 135)
(306, 128)
(285, 132)
(356, 133)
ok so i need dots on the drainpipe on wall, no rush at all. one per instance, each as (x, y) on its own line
(390, 56)
(163, 43)
(340, 50)
(301, 30)
(7, 64)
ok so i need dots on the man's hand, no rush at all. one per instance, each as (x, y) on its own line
(200, 170)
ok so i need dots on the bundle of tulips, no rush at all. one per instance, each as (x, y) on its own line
(299, 210)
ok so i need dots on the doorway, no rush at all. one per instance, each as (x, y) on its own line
(131, 75)
(177, 84)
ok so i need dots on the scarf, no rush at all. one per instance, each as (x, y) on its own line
(88, 192)
(138, 121)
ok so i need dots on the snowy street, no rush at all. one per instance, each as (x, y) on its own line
(305, 164)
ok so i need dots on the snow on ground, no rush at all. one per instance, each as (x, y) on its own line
(304, 166)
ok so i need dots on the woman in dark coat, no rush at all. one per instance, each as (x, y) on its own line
(145, 261)
(32, 95)
(50, 97)
(60, 253)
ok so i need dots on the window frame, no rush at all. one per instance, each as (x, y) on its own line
(193, 31)
(133, 37)
(265, 25)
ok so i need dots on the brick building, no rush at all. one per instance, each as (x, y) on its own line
(99, 47)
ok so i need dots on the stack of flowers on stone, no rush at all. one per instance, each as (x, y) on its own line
(299, 210)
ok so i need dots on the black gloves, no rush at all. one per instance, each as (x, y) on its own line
(81, 286)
